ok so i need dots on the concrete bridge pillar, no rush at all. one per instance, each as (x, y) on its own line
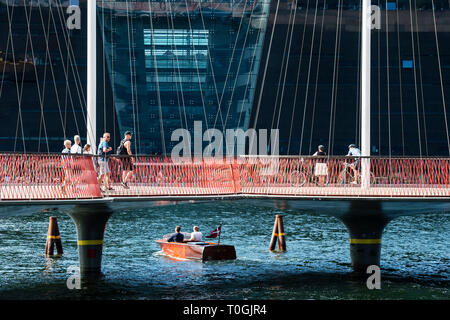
(90, 220)
(365, 222)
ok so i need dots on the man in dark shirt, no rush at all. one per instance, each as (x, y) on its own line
(177, 236)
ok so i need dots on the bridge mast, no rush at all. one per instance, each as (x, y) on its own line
(91, 116)
(365, 91)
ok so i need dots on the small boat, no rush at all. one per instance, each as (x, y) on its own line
(203, 251)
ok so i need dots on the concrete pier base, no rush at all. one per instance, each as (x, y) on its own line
(90, 221)
(365, 222)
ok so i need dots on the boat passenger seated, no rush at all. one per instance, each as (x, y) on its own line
(177, 236)
(195, 236)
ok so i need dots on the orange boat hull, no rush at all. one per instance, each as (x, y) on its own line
(197, 250)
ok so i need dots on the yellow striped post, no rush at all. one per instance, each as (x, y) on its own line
(90, 242)
(281, 235)
(365, 241)
(53, 238)
(273, 241)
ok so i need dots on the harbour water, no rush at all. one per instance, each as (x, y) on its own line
(415, 256)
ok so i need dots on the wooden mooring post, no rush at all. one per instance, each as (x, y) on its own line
(53, 238)
(278, 234)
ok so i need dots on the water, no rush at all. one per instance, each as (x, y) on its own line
(415, 257)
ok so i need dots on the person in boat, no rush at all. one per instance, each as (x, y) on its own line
(177, 236)
(195, 236)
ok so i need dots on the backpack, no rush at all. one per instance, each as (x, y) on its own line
(121, 148)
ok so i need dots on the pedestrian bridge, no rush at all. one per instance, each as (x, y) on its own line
(33, 178)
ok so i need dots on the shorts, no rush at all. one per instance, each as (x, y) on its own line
(357, 164)
(321, 169)
(127, 164)
(104, 167)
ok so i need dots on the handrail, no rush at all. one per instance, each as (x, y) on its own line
(235, 157)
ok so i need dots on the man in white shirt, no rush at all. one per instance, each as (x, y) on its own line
(195, 236)
(353, 151)
(76, 148)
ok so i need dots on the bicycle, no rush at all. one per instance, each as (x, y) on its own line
(347, 176)
(299, 178)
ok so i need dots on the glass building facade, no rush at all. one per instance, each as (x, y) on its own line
(312, 81)
(287, 64)
(174, 63)
(43, 78)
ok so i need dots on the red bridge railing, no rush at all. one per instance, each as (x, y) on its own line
(334, 176)
(56, 176)
(153, 176)
(44, 177)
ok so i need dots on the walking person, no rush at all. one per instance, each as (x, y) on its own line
(76, 148)
(321, 168)
(124, 150)
(103, 151)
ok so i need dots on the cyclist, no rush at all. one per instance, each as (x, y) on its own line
(353, 151)
(321, 168)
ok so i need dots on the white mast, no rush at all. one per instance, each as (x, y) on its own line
(91, 117)
(365, 91)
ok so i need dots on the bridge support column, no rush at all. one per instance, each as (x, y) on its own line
(365, 223)
(90, 221)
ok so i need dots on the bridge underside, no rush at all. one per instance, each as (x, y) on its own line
(328, 205)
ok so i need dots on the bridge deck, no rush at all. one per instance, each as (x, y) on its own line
(48, 192)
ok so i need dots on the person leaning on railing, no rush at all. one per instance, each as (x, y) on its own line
(66, 164)
(67, 146)
(76, 147)
(88, 150)
(321, 168)
(103, 151)
(353, 151)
